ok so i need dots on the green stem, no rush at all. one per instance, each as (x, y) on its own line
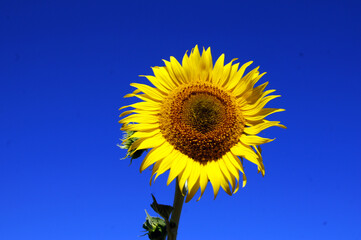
(177, 209)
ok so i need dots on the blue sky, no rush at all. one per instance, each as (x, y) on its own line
(65, 66)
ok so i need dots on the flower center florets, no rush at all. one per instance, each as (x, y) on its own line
(203, 112)
(202, 121)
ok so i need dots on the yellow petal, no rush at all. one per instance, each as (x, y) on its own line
(194, 64)
(146, 98)
(162, 74)
(178, 70)
(186, 67)
(155, 155)
(262, 114)
(193, 182)
(241, 89)
(205, 65)
(254, 98)
(203, 180)
(183, 176)
(140, 118)
(260, 127)
(254, 140)
(140, 127)
(125, 113)
(226, 173)
(214, 178)
(236, 79)
(192, 191)
(153, 112)
(195, 56)
(177, 167)
(258, 151)
(258, 107)
(136, 91)
(145, 143)
(254, 94)
(151, 92)
(228, 159)
(236, 163)
(233, 72)
(225, 184)
(177, 80)
(240, 167)
(194, 175)
(145, 134)
(155, 170)
(253, 76)
(226, 73)
(167, 162)
(218, 70)
(158, 84)
(246, 152)
(147, 106)
(207, 59)
(123, 107)
(245, 86)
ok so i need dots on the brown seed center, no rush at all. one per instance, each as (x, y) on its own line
(201, 121)
(202, 112)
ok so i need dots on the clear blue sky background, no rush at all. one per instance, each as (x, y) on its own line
(65, 66)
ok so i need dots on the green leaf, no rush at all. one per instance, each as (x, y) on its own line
(163, 210)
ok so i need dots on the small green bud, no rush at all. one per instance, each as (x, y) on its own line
(127, 142)
(156, 227)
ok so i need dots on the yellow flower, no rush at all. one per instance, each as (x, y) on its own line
(200, 121)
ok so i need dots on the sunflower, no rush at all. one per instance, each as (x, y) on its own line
(200, 121)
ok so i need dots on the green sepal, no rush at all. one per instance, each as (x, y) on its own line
(127, 143)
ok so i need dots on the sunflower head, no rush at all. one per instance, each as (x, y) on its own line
(200, 120)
